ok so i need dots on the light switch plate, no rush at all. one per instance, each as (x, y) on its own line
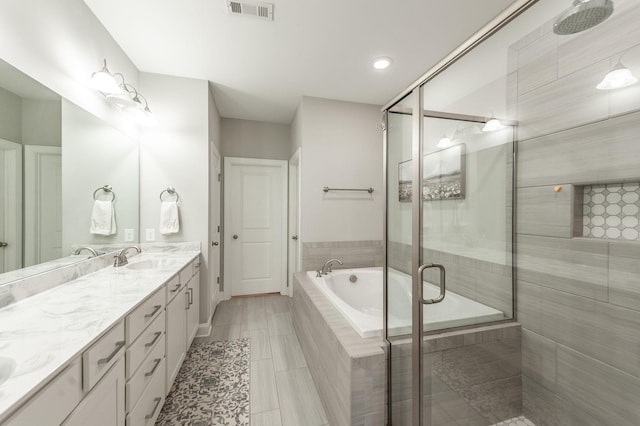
(151, 234)
(128, 235)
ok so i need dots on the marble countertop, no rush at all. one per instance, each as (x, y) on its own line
(41, 335)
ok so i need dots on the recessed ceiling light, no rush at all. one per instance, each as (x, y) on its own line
(382, 63)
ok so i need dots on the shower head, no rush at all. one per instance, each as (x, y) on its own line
(584, 14)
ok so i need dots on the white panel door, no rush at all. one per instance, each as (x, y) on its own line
(294, 219)
(255, 226)
(10, 206)
(43, 204)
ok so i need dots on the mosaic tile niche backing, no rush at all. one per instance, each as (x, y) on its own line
(612, 211)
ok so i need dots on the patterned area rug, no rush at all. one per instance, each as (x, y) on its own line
(212, 387)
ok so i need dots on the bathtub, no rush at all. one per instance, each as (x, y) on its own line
(361, 302)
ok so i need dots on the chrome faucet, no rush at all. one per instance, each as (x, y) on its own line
(326, 268)
(89, 249)
(121, 258)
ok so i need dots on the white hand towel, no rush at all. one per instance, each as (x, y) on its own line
(103, 218)
(169, 219)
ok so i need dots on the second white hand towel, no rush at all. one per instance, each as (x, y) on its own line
(169, 219)
(103, 218)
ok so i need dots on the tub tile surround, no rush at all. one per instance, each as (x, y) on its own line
(44, 332)
(578, 298)
(354, 254)
(474, 376)
(349, 371)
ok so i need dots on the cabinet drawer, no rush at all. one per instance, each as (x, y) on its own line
(144, 344)
(53, 403)
(147, 371)
(144, 314)
(150, 403)
(173, 287)
(102, 355)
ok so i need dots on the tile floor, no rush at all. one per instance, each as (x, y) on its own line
(282, 390)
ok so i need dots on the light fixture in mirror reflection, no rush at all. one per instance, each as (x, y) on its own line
(123, 95)
(54, 155)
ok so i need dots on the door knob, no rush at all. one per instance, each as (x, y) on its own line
(214, 243)
(235, 237)
(295, 237)
(3, 244)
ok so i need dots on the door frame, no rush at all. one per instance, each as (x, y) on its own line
(12, 188)
(229, 162)
(294, 257)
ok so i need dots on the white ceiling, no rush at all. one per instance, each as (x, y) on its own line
(260, 69)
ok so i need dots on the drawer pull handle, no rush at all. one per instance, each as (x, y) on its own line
(156, 308)
(106, 360)
(190, 296)
(157, 335)
(175, 289)
(153, 370)
(155, 407)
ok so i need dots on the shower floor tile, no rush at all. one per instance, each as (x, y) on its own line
(516, 421)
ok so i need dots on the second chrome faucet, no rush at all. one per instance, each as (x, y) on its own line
(326, 268)
(121, 258)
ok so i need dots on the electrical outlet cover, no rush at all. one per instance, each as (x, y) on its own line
(151, 234)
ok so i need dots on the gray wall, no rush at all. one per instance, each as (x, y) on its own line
(578, 298)
(255, 139)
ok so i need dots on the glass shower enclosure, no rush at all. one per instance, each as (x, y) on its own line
(513, 193)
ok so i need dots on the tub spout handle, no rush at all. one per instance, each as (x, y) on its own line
(443, 289)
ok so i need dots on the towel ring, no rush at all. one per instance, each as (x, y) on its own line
(171, 191)
(107, 189)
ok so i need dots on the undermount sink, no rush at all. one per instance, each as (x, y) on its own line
(149, 264)
(7, 367)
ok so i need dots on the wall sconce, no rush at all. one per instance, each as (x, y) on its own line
(619, 77)
(492, 125)
(123, 95)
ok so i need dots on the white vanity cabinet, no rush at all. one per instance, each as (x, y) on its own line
(183, 312)
(193, 308)
(176, 318)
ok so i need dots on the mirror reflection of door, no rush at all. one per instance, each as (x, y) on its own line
(42, 202)
(10, 206)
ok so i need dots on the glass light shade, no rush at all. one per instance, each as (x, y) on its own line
(123, 100)
(445, 142)
(492, 125)
(104, 82)
(617, 78)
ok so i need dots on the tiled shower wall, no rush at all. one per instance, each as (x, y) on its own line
(578, 299)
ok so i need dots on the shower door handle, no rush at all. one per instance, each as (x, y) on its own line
(443, 287)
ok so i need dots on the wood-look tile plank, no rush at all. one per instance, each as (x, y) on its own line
(280, 324)
(260, 345)
(287, 354)
(300, 401)
(264, 393)
(267, 418)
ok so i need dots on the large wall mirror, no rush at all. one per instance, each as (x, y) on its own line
(55, 158)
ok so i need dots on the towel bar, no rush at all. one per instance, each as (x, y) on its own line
(327, 189)
(171, 191)
(108, 189)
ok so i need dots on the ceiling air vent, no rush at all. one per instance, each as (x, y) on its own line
(253, 9)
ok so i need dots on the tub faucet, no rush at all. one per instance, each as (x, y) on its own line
(326, 268)
(89, 249)
(121, 258)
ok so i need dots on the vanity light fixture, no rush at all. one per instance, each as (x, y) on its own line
(492, 125)
(382, 63)
(105, 82)
(619, 77)
(126, 97)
